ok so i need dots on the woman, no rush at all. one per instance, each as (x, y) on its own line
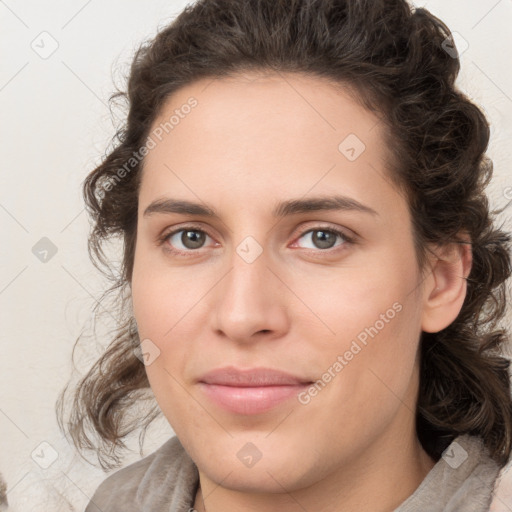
(311, 276)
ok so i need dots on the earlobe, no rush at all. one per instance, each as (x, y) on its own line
(446, 288)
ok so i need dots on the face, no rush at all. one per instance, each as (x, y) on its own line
(328, 292)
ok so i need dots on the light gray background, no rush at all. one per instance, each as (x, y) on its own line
(55, 128)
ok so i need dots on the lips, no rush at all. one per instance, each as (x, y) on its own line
(231, 376)
(250, 391)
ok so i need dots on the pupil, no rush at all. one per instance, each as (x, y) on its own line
(323, 240)
(192, 239)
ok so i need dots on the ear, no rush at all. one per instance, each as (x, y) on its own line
(445, 287)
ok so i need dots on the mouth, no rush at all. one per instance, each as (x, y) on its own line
(251, 391)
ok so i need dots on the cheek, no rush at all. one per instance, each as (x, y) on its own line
(365, 333)
(375, 300)
(366, 375)
(164, 296)
(165, 303)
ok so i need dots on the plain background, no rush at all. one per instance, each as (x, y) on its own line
(56, 126)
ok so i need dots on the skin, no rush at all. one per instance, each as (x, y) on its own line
(252, 141)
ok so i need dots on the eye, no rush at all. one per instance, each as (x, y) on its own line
(185, 239)
(325, 237)
(189, 239)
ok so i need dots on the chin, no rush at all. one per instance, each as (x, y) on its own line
(270, 474)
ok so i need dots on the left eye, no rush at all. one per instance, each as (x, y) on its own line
(324, 238)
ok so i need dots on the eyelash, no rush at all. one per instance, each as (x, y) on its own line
(346, 239)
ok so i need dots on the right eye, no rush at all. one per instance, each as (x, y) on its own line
(190, 238)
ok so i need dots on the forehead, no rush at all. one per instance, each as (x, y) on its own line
(254, 132)
(303, 105)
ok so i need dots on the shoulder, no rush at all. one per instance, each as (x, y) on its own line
(464, 478)
(166, 477)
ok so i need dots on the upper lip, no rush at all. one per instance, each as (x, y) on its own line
(231, 376)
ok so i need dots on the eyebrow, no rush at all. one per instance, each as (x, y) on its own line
(282, 209)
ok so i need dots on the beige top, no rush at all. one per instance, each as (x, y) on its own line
(463, 480)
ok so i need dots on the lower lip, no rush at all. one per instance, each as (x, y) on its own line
(250, 400)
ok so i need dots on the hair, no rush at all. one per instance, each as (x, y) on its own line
(393, 57)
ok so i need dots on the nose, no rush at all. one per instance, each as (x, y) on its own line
(250, 302)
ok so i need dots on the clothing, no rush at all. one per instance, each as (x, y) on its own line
(462, 480)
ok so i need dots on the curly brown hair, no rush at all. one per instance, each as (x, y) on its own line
(394, 58)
